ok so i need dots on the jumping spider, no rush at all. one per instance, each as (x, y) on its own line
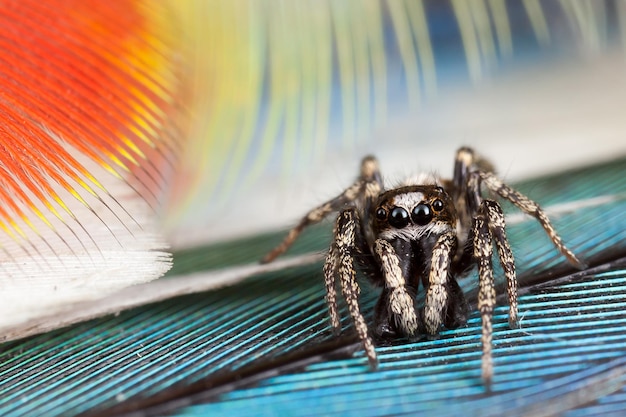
(430, 233)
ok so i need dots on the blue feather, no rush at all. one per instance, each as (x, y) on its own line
(569, 346)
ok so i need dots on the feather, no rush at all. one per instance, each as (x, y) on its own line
(288, 96)
(265, 345)
(89, 103)
(103, 92)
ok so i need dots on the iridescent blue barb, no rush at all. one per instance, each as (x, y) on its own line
(570, 338)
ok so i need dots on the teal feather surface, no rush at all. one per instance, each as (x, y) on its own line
(264, 347)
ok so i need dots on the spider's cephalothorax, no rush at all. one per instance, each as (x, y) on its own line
(421, 234)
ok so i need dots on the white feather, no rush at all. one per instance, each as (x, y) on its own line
(107, 249)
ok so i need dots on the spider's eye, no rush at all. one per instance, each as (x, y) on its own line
(398, 217)
(422, 214)
(437, 205)
(381, 213)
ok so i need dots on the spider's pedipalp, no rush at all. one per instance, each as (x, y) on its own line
(400, 301)
(437, 293)
(346, 227)
(531, 208)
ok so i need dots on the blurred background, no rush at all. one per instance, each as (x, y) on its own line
(288, 96)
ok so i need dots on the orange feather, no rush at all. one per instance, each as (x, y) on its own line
(81, 79)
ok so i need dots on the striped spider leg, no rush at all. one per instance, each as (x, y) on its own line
(488, 226)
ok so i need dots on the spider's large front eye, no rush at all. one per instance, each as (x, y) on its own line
(422, 214)
(398, 217)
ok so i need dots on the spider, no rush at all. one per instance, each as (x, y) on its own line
(426, 232)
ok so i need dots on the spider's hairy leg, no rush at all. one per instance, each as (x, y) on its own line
(368, 185)
(400, 301)
(483, 249)
(492, 211)
(531, 208)
(437, 293)
(330, 274)
(347, 224)
(496, 225)
(465, 160)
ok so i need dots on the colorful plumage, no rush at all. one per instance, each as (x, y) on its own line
(130, 125)
(237, 91)
(90, 125)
